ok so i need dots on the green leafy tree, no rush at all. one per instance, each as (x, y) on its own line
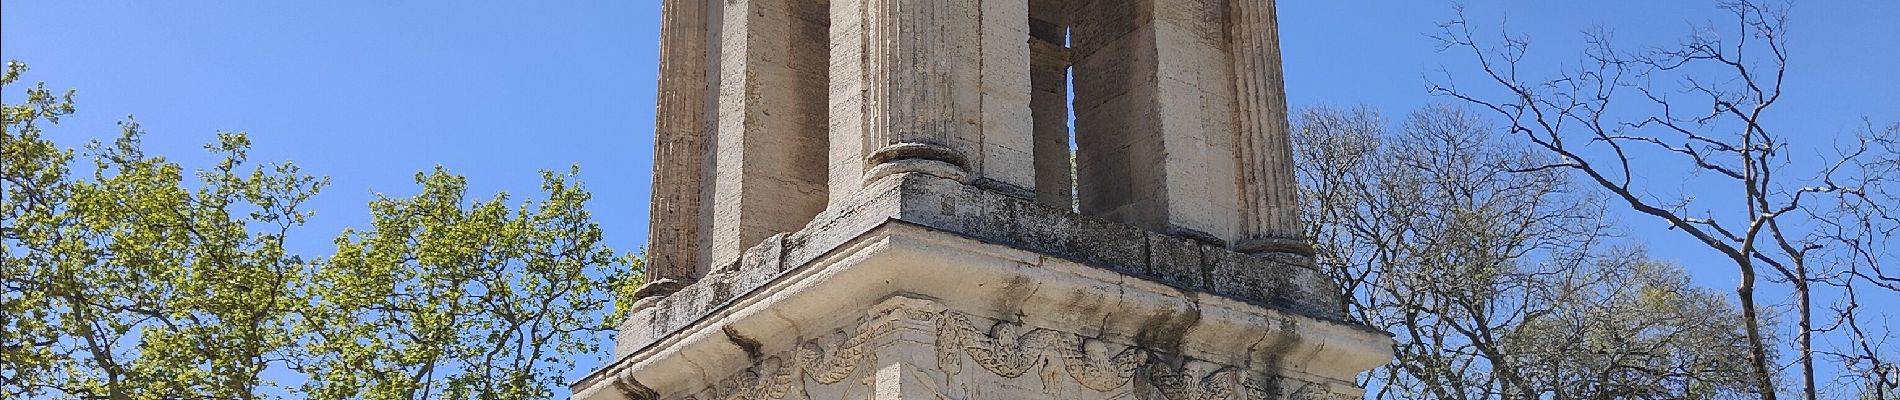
(141, 281)
(134, 279)
(444, 297)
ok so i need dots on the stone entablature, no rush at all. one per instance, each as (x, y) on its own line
(1013, 319)
(980, 358)
(1286, 282)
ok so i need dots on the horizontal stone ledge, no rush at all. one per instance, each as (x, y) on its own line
(1287, 282)
(984, 280)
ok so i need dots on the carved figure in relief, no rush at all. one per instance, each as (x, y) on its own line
(1002, 350)
(1317, 391)
(1099, 373)
(835, 365)
(770, 380)
(1226, 383)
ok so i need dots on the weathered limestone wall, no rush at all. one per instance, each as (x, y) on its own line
(1155, 115)
(849, 88)
(770, 146)
(1007, 122)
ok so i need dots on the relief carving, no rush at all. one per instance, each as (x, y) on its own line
(1317, 391)
(1008, 350)
(827, 360)
(1002, 350)
(835, 365)
(1093, 364)
(767, 381)
(1101, 374)
(1226, 383)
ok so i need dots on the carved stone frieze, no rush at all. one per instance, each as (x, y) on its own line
(1101, 373)
(1317, 391)
(1008, 350)
(770, 380)
(1225, 383)
(1002, 350)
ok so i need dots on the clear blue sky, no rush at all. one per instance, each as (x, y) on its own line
(369, 93)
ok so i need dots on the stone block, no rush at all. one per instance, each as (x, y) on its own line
(1115, 246)
(1176, 262)
(1245, 277)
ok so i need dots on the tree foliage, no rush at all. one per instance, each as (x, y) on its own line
(136, 279)
(447, 298)
(139, 281)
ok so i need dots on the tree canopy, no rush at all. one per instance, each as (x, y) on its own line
(127, 276)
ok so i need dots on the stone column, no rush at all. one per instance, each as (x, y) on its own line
(945, 91)
(679, 143)
(1270, 208)
(1155, 116)
(770, 149)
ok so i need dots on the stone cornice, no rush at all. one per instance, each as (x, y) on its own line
(935, 239)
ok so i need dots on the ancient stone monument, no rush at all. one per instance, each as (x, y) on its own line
(859, 199)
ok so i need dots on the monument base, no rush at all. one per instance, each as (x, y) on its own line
(910, 294)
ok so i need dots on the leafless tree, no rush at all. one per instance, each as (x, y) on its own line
(1499, 284)
(1708, 104)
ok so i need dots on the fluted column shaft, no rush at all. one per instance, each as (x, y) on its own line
(1270, 196)
(679, 149)
(944, 89)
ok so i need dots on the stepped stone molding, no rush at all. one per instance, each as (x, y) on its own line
(1285, 282)
(1062, 365)
(984, 257)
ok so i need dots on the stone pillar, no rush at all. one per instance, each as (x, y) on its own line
(1270, 208)
(849, 87)
(945, 91)
(1007, 123)
(939, 273)
(1049, 102)
(770, 149)
(679, 149)
(1155, 116)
